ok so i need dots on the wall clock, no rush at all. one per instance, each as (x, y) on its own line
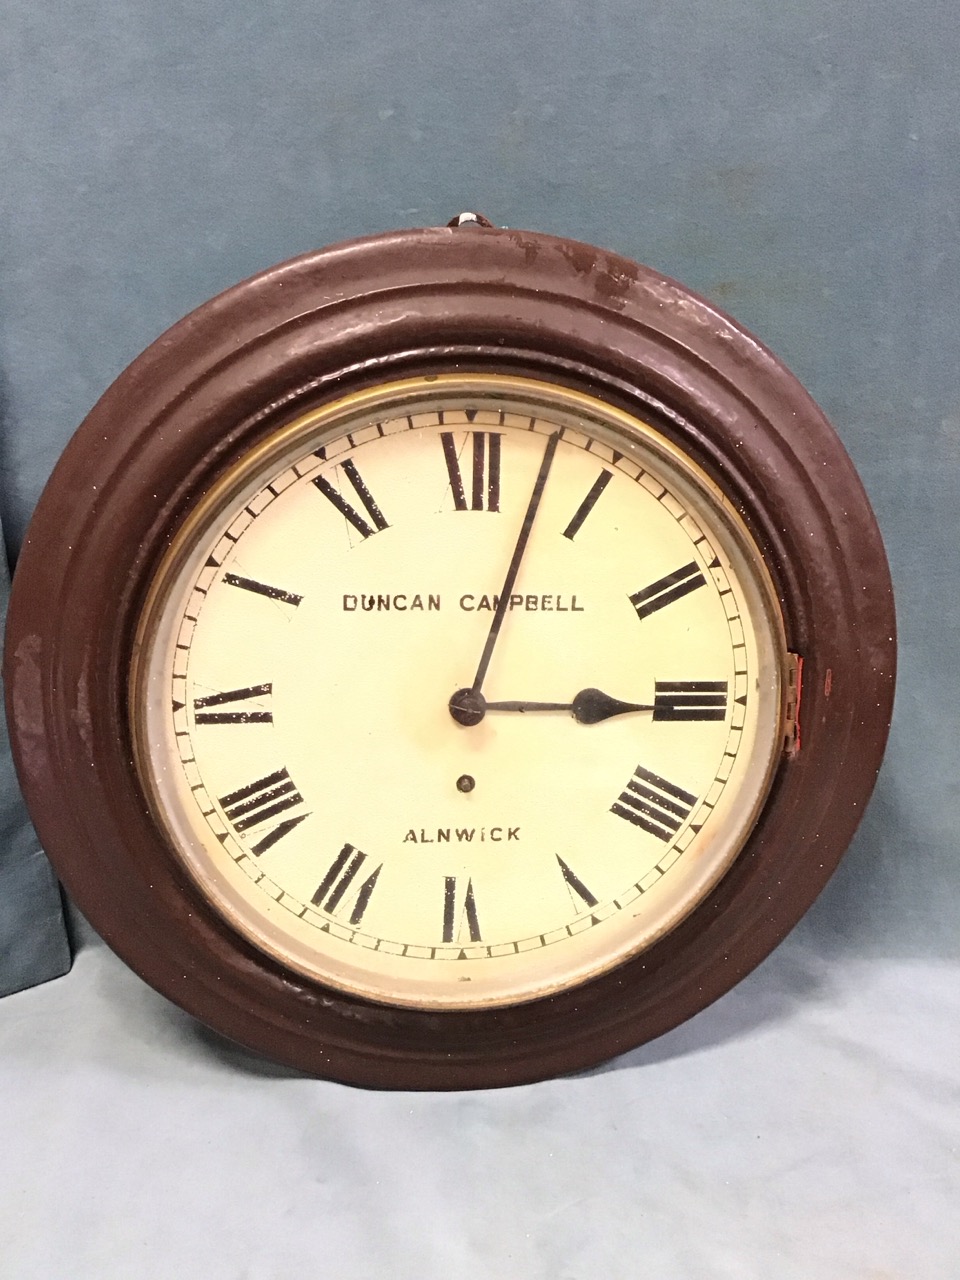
(450, 659)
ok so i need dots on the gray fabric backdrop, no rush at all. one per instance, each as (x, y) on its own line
(799, 165)
(33, 937)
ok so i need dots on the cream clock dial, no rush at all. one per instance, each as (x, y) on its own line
(459, 691)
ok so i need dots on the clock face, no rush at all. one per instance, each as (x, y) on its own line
(460, 691)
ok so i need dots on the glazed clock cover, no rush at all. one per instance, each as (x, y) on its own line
(33, 938)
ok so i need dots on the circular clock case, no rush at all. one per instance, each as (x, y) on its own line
(472, 653)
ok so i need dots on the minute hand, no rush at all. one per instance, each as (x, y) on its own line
(590, 706)
(508, 583)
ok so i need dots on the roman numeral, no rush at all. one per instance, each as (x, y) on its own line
(258, 802)
(655, 805)
(452, 919)
(576, 885)
(485, 471)
(587, 505)
(261, 589)
(343, 871)
(690, 700)
(665, 590)
(349, 513)
(202, 716)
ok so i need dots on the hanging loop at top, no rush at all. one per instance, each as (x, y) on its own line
(467, 219)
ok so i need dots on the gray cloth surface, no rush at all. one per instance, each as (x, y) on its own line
(804, 1127)
(799, 164)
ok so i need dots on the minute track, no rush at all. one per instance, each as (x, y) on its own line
(484, 924)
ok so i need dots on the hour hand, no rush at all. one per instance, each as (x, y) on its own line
(590, 706)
